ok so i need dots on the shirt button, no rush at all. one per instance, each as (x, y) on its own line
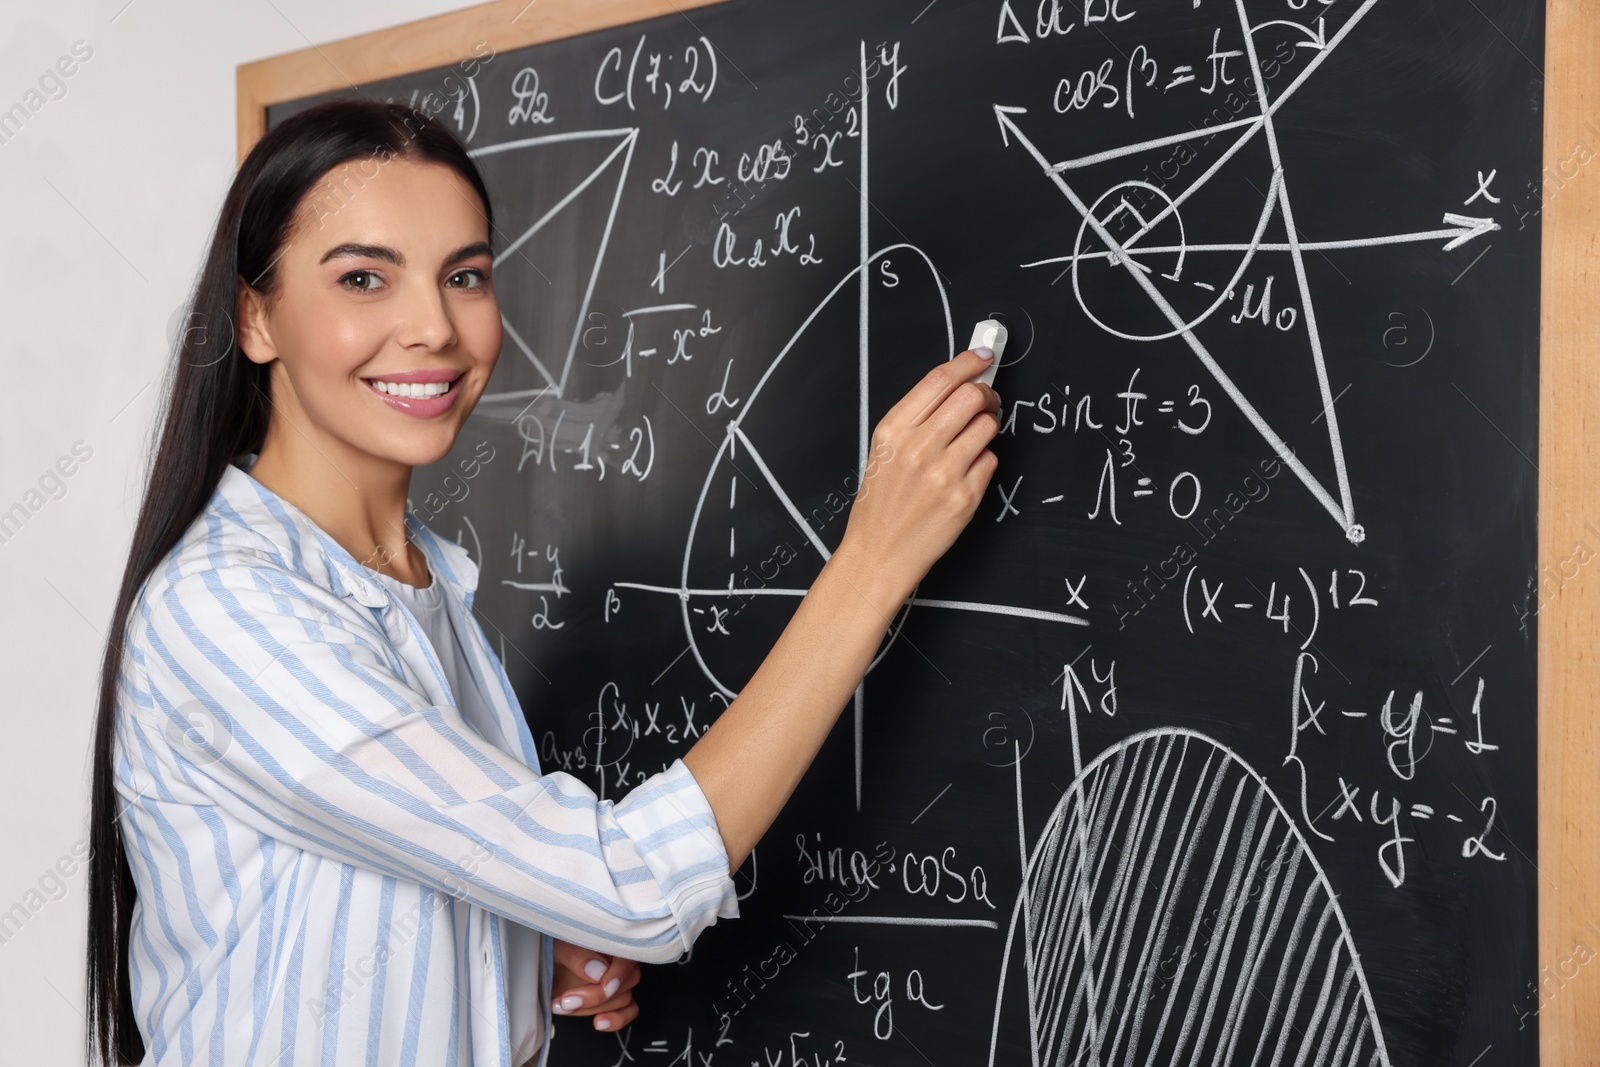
(486, 963)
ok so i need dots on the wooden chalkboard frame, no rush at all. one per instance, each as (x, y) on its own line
(1569, 406)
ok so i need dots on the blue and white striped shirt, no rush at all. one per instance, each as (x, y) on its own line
(332, 863)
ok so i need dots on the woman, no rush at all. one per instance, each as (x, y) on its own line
(318, 829)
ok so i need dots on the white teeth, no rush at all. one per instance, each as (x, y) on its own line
(411, 390)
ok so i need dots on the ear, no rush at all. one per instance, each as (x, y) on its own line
(255, 337)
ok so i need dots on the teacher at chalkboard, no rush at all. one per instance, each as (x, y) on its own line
(318, 831)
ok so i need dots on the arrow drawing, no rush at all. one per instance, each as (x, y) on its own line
(1460, 229)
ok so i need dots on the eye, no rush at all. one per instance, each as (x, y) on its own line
(483, 279)
(365, 274)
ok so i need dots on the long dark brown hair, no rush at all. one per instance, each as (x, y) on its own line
(216, 407)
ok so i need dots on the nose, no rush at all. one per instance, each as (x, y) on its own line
(425, 320)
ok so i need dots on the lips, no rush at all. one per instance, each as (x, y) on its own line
(405, 382)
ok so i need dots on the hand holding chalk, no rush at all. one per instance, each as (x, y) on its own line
(927, 471)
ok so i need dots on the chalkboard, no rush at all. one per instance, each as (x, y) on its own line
(1213, 739)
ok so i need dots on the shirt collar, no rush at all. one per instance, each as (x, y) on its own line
(241, 500)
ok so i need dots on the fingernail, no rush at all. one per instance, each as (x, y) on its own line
(985, 351)
(611, 987)
(595, 969)
(602, 1024)
(571, 1002)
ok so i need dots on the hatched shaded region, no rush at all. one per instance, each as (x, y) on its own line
(1174, 914)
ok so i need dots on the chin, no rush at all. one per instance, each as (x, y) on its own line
(420, 453)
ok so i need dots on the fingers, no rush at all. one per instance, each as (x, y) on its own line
(962, 410)
(597, 968)
(579, 961)
(936, 386)
(610, 1013)
(571, 967)
(622, 975)
(576, 983)
(609, 996)
(971, 445)
(616, 1020)
(588, 999)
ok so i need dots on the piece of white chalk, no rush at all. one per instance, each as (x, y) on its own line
(992, 334)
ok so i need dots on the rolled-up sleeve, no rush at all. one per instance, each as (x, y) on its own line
(292, 711)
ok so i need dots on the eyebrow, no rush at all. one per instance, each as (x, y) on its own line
(389, 255)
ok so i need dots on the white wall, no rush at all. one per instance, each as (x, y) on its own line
(108, 196)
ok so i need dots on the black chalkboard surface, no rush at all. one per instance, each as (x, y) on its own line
(1212, 740)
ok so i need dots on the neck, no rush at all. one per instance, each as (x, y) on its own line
(357, 499)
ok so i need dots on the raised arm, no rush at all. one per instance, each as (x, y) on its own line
(929, 470)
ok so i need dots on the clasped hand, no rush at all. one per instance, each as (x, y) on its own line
(595, 984)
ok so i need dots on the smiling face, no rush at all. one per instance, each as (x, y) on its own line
(384, 299)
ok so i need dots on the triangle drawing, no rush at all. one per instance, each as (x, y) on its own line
(556, 199)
